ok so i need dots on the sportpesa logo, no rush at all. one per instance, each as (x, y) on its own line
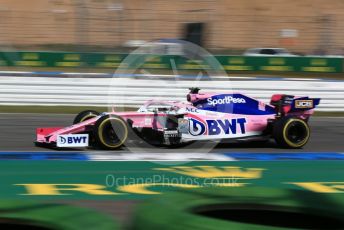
(225, 100)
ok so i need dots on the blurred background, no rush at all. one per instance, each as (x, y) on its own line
(223, 26)
(91, 38)
(59, 57)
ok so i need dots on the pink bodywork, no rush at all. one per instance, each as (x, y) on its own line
(137, 118)
(255, 124)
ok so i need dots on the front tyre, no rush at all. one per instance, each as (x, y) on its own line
(85, 115)
(110, 132)
(290, 132)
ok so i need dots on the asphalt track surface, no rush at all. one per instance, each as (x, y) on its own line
(18, 133)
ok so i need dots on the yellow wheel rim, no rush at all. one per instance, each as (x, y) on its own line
(101, 137)
(87, 117)
(285, 128)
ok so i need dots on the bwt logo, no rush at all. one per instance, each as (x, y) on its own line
(217, 127)
(62, 140)
(225, 100)
(227, 126)
(196, 127)
(72, 140)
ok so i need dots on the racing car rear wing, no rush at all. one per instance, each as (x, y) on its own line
(288, 103)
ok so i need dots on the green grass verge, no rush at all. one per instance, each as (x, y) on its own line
(77, 109)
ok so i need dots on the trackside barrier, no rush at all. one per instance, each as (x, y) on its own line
(113, 60)
(133, 92)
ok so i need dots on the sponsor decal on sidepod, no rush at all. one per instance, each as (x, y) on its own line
(216, 127)
(196, 127)
(225, 100)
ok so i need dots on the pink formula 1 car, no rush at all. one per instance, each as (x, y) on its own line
(205, 116)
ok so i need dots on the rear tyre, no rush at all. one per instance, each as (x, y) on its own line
(290, 132)
(85, 115)
(111, 132)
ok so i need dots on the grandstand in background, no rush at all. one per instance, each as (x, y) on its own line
(307, 26)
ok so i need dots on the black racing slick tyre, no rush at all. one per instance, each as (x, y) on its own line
(85, 115)
(111, 132)
(290, 132)
(235, 208)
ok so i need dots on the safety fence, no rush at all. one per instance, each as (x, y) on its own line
(129, 92)
(168, 62)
